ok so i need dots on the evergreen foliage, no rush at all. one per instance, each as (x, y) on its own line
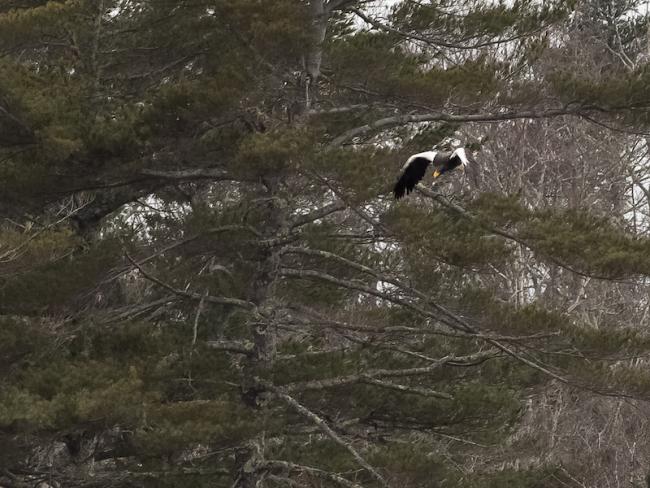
(204, 280)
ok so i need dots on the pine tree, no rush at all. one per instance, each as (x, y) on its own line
(205, 281)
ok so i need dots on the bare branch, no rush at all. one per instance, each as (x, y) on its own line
(319, 473)
(279, 393)
(16, 252)
(304, 273)
(284, 481)
(383, 277)
(408, 389)
(426, 313)
(194, 296)
(363, 215)
(158, 71)
(197, 317)
(318, 214)
(240, 347)
(187, 240)
(532, 364)
(316, 320)
(340, 110)
(131, 311)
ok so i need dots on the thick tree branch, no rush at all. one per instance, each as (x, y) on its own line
(389, 122)
(371, 376)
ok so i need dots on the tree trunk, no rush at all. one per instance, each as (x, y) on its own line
(315, 56)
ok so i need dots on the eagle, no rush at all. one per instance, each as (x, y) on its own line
(416, 166)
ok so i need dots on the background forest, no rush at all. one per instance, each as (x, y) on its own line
(205, 280)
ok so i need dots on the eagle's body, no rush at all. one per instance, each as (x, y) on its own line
(416, 167)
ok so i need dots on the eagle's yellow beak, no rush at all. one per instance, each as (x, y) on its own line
(436, 173)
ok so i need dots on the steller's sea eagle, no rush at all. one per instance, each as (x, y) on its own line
(416, 166)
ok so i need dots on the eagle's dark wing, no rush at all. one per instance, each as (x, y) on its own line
(454, 162)
(413, 171)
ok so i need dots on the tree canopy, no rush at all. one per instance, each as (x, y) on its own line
(205, 280)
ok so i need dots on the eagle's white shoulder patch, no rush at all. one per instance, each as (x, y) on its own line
(426, 155)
